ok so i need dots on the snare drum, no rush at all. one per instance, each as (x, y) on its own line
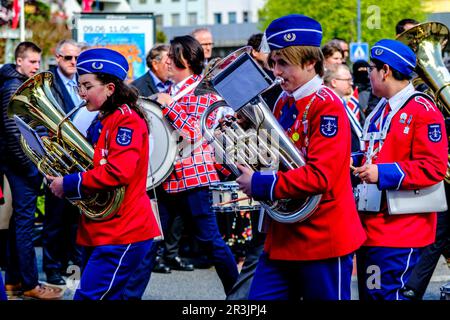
(227, 191)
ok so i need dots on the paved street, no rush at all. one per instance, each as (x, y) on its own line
(204, 284)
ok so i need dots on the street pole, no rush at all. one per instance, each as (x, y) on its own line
(359, 20)
(22, 20)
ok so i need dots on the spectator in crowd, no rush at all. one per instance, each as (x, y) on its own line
(332, 54)
(157, 78)
(61, 217)
(21, 276)
(205, 38)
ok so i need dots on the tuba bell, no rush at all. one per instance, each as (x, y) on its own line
(428, 40)
(66, 150)
(257, 140)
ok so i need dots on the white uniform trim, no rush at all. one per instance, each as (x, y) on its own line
(339, 278)
(115, 272)
(406, 269)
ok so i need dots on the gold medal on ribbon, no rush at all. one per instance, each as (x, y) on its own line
(295, 136)
(103, 161)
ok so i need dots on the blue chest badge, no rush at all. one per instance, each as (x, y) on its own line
(124, 136)
(328, 126)
(434, 132)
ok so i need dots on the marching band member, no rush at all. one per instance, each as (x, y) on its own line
(406, 148)
(187, 187)
(312, 259)
(113, 247)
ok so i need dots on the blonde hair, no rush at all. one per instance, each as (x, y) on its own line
(300, 55)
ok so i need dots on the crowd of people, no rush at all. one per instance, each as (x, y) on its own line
(363, 129)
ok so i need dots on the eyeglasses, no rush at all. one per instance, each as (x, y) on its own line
(68, 58)
(83, 90)
(207, 44)
(347, 79)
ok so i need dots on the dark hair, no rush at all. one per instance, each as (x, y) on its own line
(155, 53)
(360, 72)
(330, 48)
(255, 41)
(395, 73)
(24, 47)
(123, 94)
(400, 27)
(191, 50)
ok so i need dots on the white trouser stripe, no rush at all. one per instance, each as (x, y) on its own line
(406, 268)
(115, 272)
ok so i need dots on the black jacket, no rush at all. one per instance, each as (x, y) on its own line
(145, 85)
(60, 92)
(12, 152)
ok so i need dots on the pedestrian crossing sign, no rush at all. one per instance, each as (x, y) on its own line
(359, 51)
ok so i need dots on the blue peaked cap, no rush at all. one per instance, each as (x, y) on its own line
(103, 60)
(395, 54)
(293, 30)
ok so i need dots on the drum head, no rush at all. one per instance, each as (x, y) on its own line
(163, 144)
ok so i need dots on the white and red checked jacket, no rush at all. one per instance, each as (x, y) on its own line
(198, 169)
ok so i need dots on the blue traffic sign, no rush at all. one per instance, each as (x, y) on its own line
(359, 51)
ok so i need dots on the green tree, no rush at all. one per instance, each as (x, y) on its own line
(339, 18)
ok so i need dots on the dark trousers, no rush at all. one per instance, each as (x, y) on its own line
(21, 257)
(253, 251)
(423, 271)
(59, 234)
(196, 203)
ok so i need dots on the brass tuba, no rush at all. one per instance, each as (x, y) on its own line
(428, 40)
(260, 143)
(66, 149)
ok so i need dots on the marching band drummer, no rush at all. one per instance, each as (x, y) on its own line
(187, 187)
(406, 148)
(113, 247)
(312, 259)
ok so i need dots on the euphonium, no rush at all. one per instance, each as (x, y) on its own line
(260, 143)
(66, 149)
(428, 40)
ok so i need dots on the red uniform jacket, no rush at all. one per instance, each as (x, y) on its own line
(123, 143)
(334, 229)
(413, 156)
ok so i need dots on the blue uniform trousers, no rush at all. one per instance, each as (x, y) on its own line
(383, 271)
(328, 279)
(108, 269)
(195, 202)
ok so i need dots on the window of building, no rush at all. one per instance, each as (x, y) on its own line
(245, 16)
(217, 18)
(157, 1)
(142, 1)
(159, 20)
(232, 17)
(175, 19)
(175, 0)
(192, 18)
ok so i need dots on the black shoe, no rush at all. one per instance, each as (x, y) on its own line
(160, 267)
(201, 262)
(178, 264)
(54, 277)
